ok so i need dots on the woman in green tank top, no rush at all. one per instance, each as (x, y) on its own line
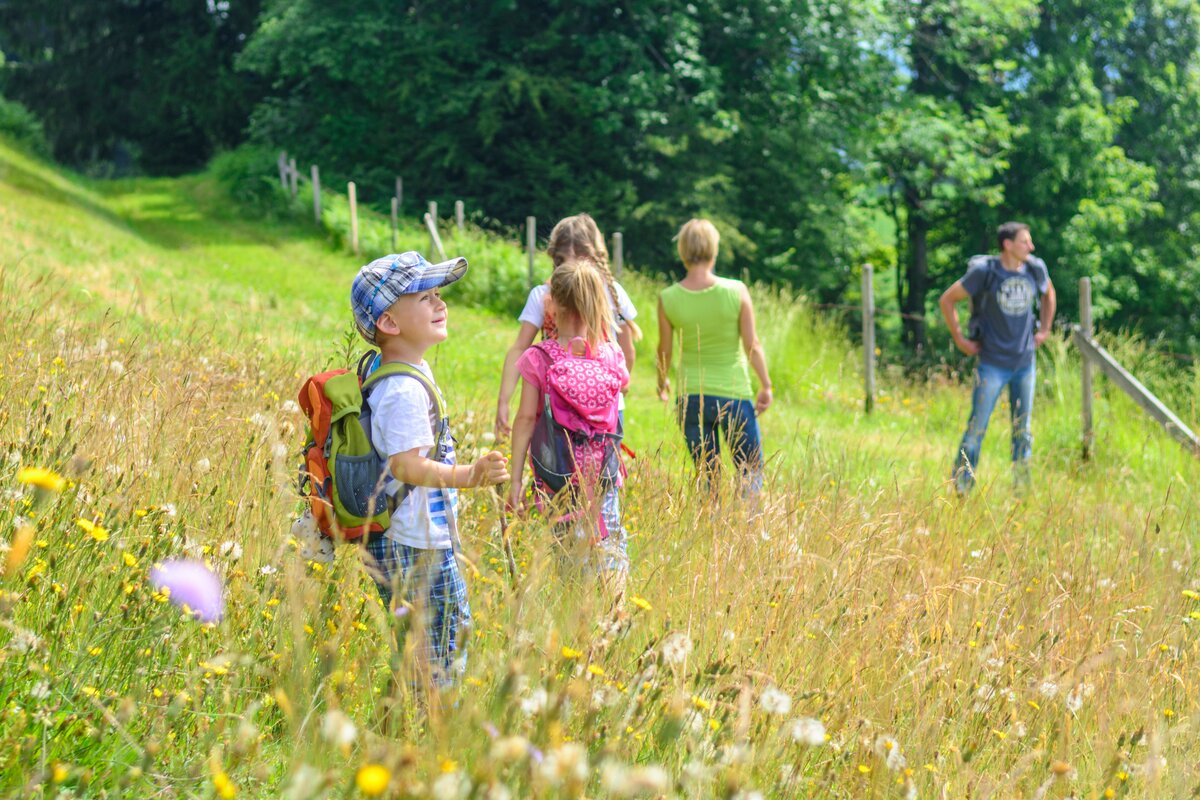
(713, 319)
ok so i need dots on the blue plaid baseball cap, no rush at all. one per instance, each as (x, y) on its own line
(379, 284)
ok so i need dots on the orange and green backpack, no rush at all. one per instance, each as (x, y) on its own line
(343, 475)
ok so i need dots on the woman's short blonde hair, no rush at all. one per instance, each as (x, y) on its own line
(697, 241)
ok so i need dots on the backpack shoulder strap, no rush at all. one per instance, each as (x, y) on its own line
(394, 368)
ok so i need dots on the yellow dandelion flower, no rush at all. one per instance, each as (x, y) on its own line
(570, 652)
(1191, 594)
(373, 779)
(448, 765)
(95, 651)
(701, 703)
(46, 479)
(19, 549)
(595, 670)
(92, 529)
(129, 559)
(60, 773)
(91, 691)
(1122, 776)
(714, 725)
(863, 769)
(641, 603)
(1168, 713)
(224, 786)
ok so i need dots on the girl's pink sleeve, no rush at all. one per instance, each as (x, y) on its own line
(532, 366)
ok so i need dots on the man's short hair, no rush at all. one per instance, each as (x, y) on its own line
(697, 241)
(1007, 232)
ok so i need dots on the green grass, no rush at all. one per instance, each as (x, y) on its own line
(151, 337)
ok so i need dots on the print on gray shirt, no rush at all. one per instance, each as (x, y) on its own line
(1003, 320)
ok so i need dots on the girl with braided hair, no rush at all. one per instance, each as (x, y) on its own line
(573, 238)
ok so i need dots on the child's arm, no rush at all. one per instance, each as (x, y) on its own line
(625, 342)
(665, 341)
(522, 433)
(754, 350)
(414, 468)
(510, 375)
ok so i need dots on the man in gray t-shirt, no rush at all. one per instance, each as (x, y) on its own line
(1004, 335)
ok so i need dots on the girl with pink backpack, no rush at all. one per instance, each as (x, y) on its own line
(567, 424)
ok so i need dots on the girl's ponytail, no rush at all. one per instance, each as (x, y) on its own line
(578, 288)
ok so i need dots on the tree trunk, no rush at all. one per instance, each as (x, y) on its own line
(917, 277)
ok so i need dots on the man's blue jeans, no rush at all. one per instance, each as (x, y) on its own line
(989, 382)
(702, 416)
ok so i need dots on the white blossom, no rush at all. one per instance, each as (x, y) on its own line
(676, 648)
(775, 701)
(808, 731)
(338, 729)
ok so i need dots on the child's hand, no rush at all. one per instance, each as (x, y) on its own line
(516, 498)
(501, 428)
(489, 469)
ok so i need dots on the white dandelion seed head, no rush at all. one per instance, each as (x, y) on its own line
(985, 691)
(268, 569)
(676, 648)
(338, 729)
(450, 786)
(510, 749)
(203, 465)
(566, 763)
(775, 701)
(40, 690)
(261, 420)
(116, 367)
(230, 550)
(808, 731)
(279, 451)
(497, 791)
(535, 703)
(24, 641)
(170, 510)
(1048, 689)
(289, 407)
(114, 470)
(888, 749)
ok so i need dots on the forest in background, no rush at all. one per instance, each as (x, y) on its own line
(818, 136)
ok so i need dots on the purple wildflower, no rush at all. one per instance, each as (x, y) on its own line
(192, 585)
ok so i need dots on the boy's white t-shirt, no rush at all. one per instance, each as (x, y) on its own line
(400, 411)
(535, 314)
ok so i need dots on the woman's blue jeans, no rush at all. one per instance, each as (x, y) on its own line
(703, 416)
(989, 383)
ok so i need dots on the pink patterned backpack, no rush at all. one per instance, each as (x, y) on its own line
(578, 434)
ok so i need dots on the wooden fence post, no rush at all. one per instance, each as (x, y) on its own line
(618, 253)
(459, 215)
(1085, 325)
(531, 243)
(395, 221)
(352, 191)
(435, 241)
(283, 176)
(399, 193)
(316, 184)
(433, 212)
(868, 335)
(295, 173)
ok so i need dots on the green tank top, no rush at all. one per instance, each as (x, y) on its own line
(707, 322)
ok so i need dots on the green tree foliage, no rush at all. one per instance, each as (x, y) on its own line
(817, 135)
(146, 83)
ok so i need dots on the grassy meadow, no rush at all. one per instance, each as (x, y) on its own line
(870, 637)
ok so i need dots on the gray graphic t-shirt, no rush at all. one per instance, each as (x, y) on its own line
(1003, 320)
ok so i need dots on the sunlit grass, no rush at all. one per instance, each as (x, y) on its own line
(870, 636)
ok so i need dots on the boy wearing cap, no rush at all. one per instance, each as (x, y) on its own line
(398, 307)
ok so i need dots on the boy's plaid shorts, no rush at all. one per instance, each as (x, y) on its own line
(447, 610)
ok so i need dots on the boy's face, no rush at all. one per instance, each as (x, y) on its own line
(419, 319)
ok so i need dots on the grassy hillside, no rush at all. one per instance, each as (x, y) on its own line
(998, 647)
